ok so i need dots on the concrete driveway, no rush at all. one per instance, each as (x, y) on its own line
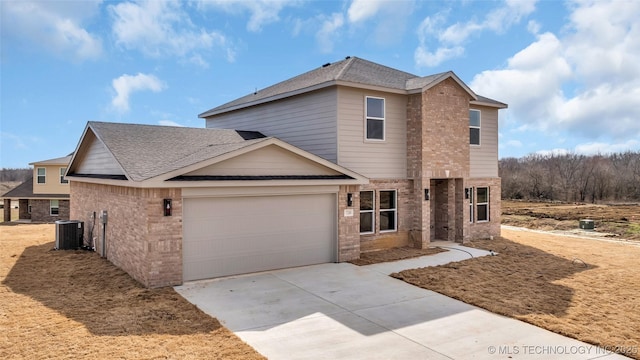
(342, 311)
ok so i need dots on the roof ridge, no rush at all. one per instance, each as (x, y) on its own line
(350, 61)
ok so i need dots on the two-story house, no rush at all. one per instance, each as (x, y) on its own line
(428, 145)
(350, 157)
(45, 196)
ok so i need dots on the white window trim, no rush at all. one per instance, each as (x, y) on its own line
(38, 175)
(62, 179)
(51, 208)
(383, 118)
(471, 204)
(486, 203)
(372, 211)
(479, 127)
(395, 210)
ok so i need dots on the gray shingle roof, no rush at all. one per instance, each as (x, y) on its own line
(147, 151)
(61, 160)
(25, 191)
(350, 70)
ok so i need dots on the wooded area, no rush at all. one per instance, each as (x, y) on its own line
(15, 175)
(572, 177)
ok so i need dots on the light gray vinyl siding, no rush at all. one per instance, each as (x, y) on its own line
(307, 121)
(374, 159)
(484, 158)
(97, 159)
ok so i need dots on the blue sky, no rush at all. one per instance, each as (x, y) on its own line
(568, 70)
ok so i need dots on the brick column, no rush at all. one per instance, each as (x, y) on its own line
(348, 224)
(7, 210)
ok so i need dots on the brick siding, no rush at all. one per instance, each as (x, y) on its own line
(41, 210)
(348, 226)
(139, 238)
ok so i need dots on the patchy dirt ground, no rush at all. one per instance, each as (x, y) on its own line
(75, 305)
(585, 289)
(395, 254)
(615, 220)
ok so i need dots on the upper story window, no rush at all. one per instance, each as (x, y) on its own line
(62, 179)
(42, 175)
(374, 118)
(474, 127)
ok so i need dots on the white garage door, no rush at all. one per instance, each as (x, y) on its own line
(237, 235)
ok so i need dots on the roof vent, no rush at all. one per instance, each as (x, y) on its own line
(347, 58)
(325, 65)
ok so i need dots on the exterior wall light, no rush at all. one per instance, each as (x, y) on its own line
(166, 204)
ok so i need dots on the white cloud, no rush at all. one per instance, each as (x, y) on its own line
(451, 38)
(53, 25)
(424, 57)
(514, 143)
(594, 148)
(169, 123)
(328, 32)
(262, 12)
(586, 82)
(361, 10)
(126, 84)
(556, 152)
(163, 28)
(533, 27)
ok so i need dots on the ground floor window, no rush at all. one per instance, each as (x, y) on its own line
(482, 204)
(367, 206)
(54, 207)
(471, 204)
(388, 210)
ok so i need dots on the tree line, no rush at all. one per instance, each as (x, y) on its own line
(572, 177)
(15, 175)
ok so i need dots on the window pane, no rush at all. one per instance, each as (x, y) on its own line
(53, 206)
(387, 200)
(375, 129)
(366, 222)
(366, 200)
(387, 220)
(474, 136)
(483, 195)
(62, 179)
(474, 118)
(375, 107)
(41, 175)
(483, 214)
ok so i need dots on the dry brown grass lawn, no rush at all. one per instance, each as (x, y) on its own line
(623, 220)
(393, 254)
(73, 305)
(585, 289)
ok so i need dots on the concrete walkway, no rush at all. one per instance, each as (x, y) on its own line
(342, 311)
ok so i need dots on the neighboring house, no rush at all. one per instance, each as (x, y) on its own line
(350, 157)
(45, 196)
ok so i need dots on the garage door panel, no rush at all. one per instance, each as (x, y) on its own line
(227, 236)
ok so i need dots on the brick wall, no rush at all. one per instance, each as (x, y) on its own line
(445, 133)
(348, 226)
(41, 210)
(384, 240)
(139, 239)
(484, 230)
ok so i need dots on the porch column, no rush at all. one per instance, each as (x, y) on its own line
(7, 210)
